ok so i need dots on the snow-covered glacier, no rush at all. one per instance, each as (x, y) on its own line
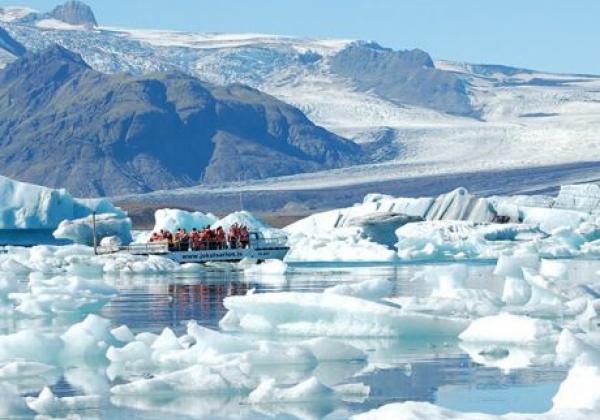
(528, 116)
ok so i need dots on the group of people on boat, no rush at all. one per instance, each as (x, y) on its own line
(238, 236)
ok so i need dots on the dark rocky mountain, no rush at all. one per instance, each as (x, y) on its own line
(9, 44)
(63, 124)
(73, 12)
(403, 77)
(76, 13)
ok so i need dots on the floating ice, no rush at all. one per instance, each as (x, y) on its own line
(12, 405)
(328, 314)
(30, 345)
(62, 294)
(81, 231)
(508, 328)
(579, 391)
(123, 334)
(86, 341)
(342, 244)
(21, 370)
(310, 390)
(269, 267)
(197, 380)
(374, 289)
(47, 403)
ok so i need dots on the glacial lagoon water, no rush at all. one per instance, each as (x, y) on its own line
(437, 370)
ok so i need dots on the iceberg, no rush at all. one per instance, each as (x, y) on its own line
(81, 231)
(28, 206)
(171, 219)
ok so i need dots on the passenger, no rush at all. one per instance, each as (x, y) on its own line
(184, 241)
(244, 236)
(220, 236)
(195, 239)
(205, 238)
(232, 237)
(213, 239)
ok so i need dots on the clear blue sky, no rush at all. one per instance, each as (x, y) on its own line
(556, 35)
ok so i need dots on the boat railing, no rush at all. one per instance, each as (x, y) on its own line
(256, 241)
(272, 242)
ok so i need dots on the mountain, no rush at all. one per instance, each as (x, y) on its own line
(63, 124)
(417, 115)
(75, 13)
(10, 45)
(402, 77)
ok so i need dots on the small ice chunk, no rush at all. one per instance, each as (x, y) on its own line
(579, 391)
(166, 341)
(87, 340)
(554, 269)
(569, 347)
(269, 267)
(328, 350)
(123, 334)
(47, 403)
(512, 265)
(372, 289)
(508, 328)
(12, 405)
(310, 390)
(30, 345)
(20, 370)
(516, 291)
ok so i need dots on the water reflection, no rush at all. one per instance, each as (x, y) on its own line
(397, 370)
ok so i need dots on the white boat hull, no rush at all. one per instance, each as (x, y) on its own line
(227, 255)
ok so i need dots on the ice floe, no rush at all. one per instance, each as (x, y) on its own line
(330, 314)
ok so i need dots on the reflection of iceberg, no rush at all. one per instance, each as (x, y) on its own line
(503, 357)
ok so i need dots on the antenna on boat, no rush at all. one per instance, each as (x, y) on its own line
(241, 193)
(94, 233)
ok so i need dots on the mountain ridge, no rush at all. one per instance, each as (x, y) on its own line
(67, 125)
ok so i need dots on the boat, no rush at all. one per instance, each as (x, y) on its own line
(258, 248)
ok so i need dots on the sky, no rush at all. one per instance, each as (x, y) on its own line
(552, 35)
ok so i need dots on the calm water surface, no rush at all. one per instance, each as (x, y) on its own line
(434, 370)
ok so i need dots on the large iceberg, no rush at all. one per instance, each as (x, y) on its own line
(28, 206)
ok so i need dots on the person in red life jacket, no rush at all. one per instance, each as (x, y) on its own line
(220, 237)
(195, 239)
(205, 238)
(213, 239)
(244, 236)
